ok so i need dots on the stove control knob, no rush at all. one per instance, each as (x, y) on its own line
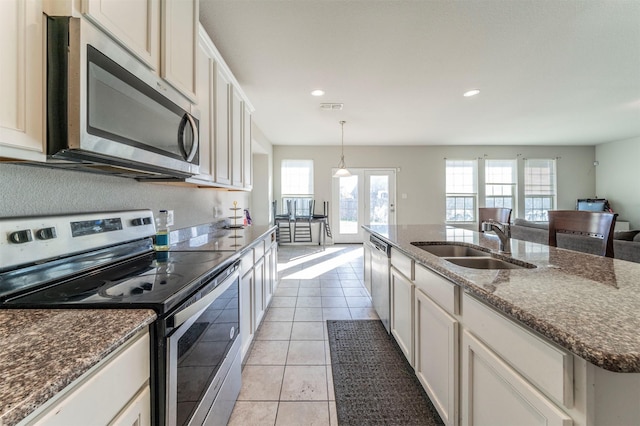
(139, 221)
(46, 233)
(20, 237)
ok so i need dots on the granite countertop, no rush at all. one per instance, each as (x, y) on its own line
(43, 351)
(215, 237)
(587, 304)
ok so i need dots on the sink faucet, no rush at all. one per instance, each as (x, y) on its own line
(503, 232)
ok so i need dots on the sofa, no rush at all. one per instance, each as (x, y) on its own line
(626, 244)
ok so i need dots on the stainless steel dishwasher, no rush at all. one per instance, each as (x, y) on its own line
(380, 263)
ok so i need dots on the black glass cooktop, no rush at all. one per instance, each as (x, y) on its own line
(156, 281)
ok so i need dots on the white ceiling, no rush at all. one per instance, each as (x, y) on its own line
(556, 72)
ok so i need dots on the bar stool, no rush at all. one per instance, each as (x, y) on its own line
(589, 224)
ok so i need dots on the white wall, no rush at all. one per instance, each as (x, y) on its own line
(421, 174)
(618, 178)
(262, 193)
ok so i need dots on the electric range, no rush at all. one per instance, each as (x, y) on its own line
(106, 260)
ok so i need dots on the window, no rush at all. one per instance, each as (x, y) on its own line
(296, 177)
(461, 189)
(539, 189)
(500, 183)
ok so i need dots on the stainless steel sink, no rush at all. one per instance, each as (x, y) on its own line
(469, 257)
(485, 263)
(450, 250)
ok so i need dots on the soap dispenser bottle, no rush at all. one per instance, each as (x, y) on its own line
(162, 232)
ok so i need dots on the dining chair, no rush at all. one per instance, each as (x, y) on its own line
(497, 214)
(598, 225)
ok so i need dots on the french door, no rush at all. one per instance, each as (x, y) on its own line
(367, 197)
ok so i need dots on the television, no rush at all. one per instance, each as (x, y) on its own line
(592, 204)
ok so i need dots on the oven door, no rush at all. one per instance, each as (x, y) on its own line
(202, 351)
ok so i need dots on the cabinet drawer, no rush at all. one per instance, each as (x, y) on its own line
(443, 292)
(402, 263)
(246, 262)
(547, 366)
(259, 250)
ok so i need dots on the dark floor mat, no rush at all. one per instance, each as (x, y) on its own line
(374, 384)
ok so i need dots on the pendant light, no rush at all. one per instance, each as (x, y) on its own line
(342, 167)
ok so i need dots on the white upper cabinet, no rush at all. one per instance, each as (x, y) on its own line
(161, 33)
(237, 110)
(223, 140)
(247, 149)
(204, 91)
(179, 36)
(22, 80)
(229, 122)
(133, 23)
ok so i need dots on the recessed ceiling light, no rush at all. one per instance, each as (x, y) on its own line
(317, 92)
(471, 93)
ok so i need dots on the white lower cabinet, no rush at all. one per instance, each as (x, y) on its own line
(113, 392)
(480, 367)
(366, 258)
(401, 315)
(259, 301)
(257, 285)
(494, 394)
(246, 310)
(270, 275)
(436, 355)
(137, 413)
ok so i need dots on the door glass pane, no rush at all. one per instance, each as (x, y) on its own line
(379, 200)
(348, 210)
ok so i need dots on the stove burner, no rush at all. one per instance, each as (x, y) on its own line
(136, 286)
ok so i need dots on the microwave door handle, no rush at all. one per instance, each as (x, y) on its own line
(194, 130)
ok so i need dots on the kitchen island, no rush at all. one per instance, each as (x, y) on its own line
(579, 309)
(42, 351)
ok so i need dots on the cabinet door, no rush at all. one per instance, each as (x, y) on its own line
(401, 321)
(137, 413)
(246, 311)
(436, 356)
(259, 294)
(274, 266)
(495, 394)
(269, 273)
(22, 82)
(367, 265)
(180, 20)
(133, 23)
(222, 153)
(236, 138)
(247, 147)
(204, 91)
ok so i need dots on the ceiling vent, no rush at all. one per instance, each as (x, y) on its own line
(331, 106)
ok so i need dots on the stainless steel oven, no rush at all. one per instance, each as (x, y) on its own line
(203, 364)
(107, 110)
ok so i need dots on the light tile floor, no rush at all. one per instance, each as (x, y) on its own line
(287, 378)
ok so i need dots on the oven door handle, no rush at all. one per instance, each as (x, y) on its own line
(194, 310)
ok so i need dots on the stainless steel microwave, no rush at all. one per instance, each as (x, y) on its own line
(107, 112)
